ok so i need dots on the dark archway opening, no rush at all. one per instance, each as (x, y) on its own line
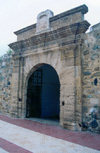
(43, 94)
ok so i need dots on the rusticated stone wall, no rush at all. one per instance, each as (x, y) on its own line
(6, 68)
(91, 80)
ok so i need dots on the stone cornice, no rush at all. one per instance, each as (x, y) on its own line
(60, 33)
(83, 9)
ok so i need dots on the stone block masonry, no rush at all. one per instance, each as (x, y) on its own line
(6, 69)
(61, 42)
(91, 79)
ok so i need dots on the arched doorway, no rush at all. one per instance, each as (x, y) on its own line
(43, 93)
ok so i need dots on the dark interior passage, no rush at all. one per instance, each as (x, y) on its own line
(43, 93)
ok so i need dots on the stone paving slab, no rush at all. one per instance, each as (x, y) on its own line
(38, 143)
(83, 138)
(8, 147)
(3, 151)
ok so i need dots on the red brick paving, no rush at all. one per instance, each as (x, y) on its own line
(12, 148)
(83, 138)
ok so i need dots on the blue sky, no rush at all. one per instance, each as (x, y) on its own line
(16, 14)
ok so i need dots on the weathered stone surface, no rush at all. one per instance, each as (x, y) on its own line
(66, 18)
(6, 68)
(91, 99)
(43, 24)
(60, 48)
(63, 44)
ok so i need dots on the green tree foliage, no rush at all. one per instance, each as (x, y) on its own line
(9, 52)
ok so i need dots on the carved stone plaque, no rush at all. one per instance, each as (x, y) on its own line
(43, 24)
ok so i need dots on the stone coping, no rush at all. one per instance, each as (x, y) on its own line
(83, 9)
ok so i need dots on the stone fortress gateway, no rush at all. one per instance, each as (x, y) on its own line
(54, 72)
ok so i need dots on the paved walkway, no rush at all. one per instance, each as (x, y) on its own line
(25, 136)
